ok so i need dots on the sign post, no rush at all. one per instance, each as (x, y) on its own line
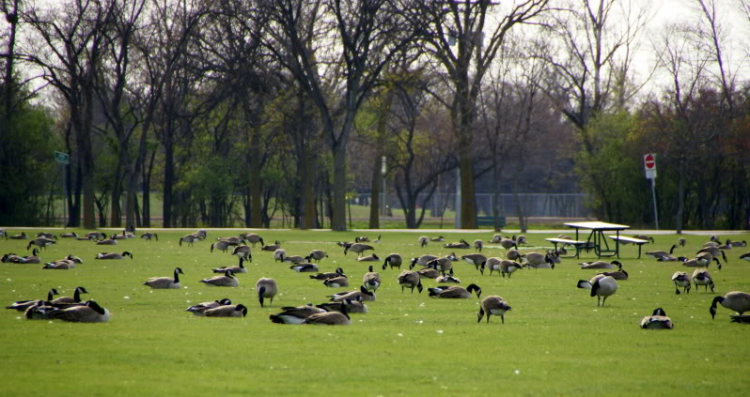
(649, 165)
(63, 159)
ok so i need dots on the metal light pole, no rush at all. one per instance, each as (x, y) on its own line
(649, 165)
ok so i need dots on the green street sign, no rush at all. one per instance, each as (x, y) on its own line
(63, 158)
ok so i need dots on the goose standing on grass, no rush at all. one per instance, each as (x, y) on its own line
(681, 279)
(41, 242)
(371, 280)
(361, 295)
(513, 254)
(90, 312)
(658, 320)
(601, 287)
(508, 267)
(221, 245)
(496, 238)
(165, 282)
(199, 309)
(422, 260)
(410, 279)
(392, 260)
(715, 252)
(538, 261)
(227, 311)
(243, 253)
(682, 241)
(478, 245)
(295, 315)
(329, 318)
(735, 300)
(659, 254)
(316, 255)
(474, 259)
(253, 238)
(279, 255)
(492, 263)
(423, 240)
(508, 243)
(455, 291)
(189, 239)
(227, 280)
(358, 248)
(113, 255)
(267, 288)
(442, 264)
(493, 304)
(150, 236)
(703, 277)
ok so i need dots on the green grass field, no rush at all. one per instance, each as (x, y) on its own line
(555, 340)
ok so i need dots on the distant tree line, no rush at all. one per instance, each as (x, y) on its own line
(237, 110)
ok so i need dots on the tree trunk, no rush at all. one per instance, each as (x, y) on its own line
(377, 181)
(146, 215)
(338, 218)
(83, 141)
(168, 177)
(256, 194)
(309, 216)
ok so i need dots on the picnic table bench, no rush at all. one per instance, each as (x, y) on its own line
(578, 244)
(601, 247)
(630, 240)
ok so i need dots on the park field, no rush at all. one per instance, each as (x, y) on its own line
(555, 340)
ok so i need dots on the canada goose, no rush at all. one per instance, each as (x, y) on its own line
(3, 234)
(617, 274)
(745, 256)
(600, 265)
(493, 304)
(508, 267)
(351, 306)
(438, 239)
(233, 241)
(726, 246)
(267, 288)
(422, 260)
(165, 282)
(344, 244)
(703, 277)
(316, 255)
(41, 242)
(324, 276)
(221, 245)
(113, 255)
(336, 282)
(742, 243)
(69, 235)
(235, 269)
(601, 286)
(658, 254)
(305, 268)
(513, 254)
(227, 280)
(243, 253)
(106, 241)
(658, 320)
(492, 263)
(49, 236)
(521, 239)
(644, 237)
(682, 241)
(32, 259)
(455, 291)
(123, 236)
(670, 258)
(25, 304)
(91, 312)
(448, 279)
(358, 248)
(40, 310)
(393, 260)
(508, 243)
(201, 234)
(428, 272)
(62, 264)
(461, 244)
(363, 295)
(745, 319)
(371, 280)
(539, 261)
(410, 279)
(226, 311)
(199, 309)
(478, 245)
(442, 264)
(369, 258)
(68, 300)
(279, 255)
(702, 260)
(295, 259)
(715, 251)
(329, 318)
(362, 239)
(474, 259)
(150, 236)
(96, 236)
(189, 239)
(735, 300)
(423, 240)
(710, 244)
(253, 238)
(378, 240)
(295, 315)
(21, 236)
(496, 239)
(681, 279)
(271, 247)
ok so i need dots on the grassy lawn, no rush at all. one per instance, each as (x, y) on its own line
(555, 340)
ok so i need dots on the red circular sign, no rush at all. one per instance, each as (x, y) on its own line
(650, 161)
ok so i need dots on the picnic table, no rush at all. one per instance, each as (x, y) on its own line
(600, 244)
